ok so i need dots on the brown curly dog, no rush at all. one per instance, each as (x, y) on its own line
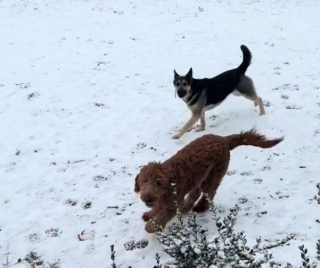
(196, 168)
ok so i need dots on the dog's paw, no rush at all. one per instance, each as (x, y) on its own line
(176, 137)
(200, 128)
(149, 228)
(146, 216)
(199, 208)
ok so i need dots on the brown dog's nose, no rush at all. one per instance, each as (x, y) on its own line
(148, 201)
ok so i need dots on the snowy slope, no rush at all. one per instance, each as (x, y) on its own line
(86, 98)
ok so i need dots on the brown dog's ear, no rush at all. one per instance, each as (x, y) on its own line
(136, 185)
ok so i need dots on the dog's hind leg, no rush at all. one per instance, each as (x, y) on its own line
(209, 188)
(194, 118)
(191, 198)
(246, 89)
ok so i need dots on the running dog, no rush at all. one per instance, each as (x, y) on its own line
(196, 169)
(202, 95)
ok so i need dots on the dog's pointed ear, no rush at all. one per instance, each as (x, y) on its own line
(136, 184)
(175, 73)
(190, 73)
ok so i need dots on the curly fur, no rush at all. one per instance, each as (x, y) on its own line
(196, 168)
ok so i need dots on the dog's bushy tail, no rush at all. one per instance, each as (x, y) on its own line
(246, 59)
(253, 138)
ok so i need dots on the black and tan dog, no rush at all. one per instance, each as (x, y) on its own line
(202, 95)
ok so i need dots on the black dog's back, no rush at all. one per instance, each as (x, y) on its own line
(219, 87)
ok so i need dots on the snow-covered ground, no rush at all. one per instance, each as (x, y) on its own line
(86, 97)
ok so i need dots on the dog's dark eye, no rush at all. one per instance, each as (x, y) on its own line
(184, 84)
(177, 84)
(157, 183)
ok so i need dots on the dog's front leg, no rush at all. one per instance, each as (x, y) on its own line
(161, 219)
(202, 122)
(149, 214)
(194, 118)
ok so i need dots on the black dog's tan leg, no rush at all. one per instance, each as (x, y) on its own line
(194, 118)
(202, 123)
(203, 120)
(246, 89)
(257, 102)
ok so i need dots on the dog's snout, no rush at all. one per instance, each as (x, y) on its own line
(148, 201)
(181, 92)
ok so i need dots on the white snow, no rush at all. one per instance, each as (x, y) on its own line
(86, 91)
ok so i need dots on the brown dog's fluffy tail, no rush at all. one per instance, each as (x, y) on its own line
(253, 138)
